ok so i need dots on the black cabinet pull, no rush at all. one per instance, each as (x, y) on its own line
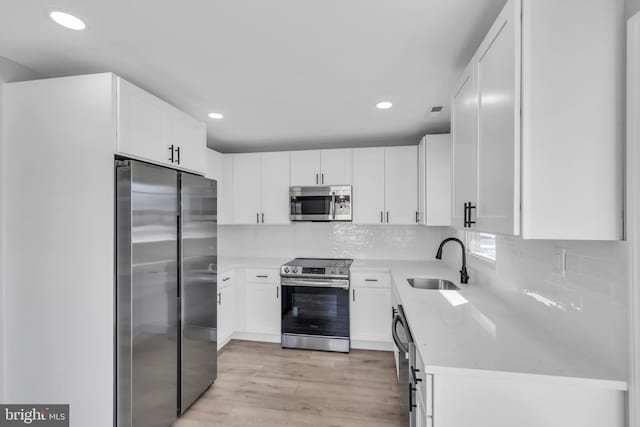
(411, 404)
(178, 155)
(322, 178)
(370, 280)
(219, 298)
(415, 377)
(467, 214)
(387, 217)
(257, 218)
(354, 295)
(263, 217)
(262, 276)
(417, 217)
(277, 292)
(225, 279)
(171, 151)
(316, 178)
(381, 217)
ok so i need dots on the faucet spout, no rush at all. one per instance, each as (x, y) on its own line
(464, 276)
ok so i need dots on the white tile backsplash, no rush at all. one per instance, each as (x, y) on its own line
(344, 240)
(587, 308)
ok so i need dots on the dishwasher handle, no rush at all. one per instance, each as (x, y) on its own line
(397, 319)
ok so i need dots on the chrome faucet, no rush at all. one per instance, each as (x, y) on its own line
(464, 276)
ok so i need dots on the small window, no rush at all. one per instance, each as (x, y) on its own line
(482, 245)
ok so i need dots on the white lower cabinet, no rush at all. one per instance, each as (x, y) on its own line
(226, 308)
(262, 306)
(369, 311)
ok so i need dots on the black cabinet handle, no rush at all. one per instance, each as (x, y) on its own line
(316, 178)
(263, 217)
(411, 404)
(219, 298)
(277, 292)
(225, 279)
(354, 295)
(171, 151)
(381, 217)
(417, 217)
(387, 217)
(322, 178)
(257, 218)
(370, 280)
(415, 377)
(261, 276)
(178, 155)
(467, 214)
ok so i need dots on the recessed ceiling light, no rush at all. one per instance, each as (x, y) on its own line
(67, 20)
(384, 105)
(216, 116)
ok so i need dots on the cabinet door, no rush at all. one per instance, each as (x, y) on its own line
(225, 191)
(305, 167)
(368, 185)
(263, 308)
(226, 305)
(401, 185)
(422, 181)
(369, 314)
(336, 167)
(246, 188)
(464, 110)
(189, 138)
(498, 208)
(438, 180)
(275, 188)
(143, 124)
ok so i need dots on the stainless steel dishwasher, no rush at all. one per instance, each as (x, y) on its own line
(404, 348)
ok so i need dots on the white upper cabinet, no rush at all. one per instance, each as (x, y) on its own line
(305, 167)
(336, 167)
(368, 185)
(401, 185)
(275, 187)
(143, 124)
(321, 167)
(246, 188)
(464, 112)
(537, 146)
(434, 180)
(152, 130)
(261, 188)
(498, 140)
(225, 193)
(189, 139)
(385, 185)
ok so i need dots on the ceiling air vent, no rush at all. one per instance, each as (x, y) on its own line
(436, 109)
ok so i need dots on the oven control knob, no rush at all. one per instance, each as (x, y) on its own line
(333, 271)
(286, 269)
(294, 269)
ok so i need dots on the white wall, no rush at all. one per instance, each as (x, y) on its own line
(329, 240)
(632, 7)
(586, 308)
(9, 72)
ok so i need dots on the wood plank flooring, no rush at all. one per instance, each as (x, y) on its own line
(261, 384)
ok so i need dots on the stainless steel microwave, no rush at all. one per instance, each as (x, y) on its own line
(320, 203)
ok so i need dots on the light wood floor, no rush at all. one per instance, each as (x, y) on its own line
(260, 384)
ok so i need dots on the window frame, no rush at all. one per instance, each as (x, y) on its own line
(471, 237)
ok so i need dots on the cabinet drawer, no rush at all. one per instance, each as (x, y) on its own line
(225, 279)
(263, 275)
(370, 280)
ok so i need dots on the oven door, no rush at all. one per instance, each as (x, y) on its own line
(317, 308)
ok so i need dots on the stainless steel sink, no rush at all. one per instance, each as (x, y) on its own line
(437, 284)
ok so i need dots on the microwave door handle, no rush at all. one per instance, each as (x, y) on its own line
(333, 205)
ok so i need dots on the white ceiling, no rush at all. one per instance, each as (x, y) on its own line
(287, 74)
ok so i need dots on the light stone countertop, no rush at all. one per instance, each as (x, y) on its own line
(477, 334)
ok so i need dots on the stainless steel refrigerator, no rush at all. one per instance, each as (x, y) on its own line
(166, 262)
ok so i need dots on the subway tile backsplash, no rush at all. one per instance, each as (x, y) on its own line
(585, 307)
(344, 240)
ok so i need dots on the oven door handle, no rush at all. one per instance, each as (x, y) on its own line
(333, 205)
(397, 319)
(342, 284)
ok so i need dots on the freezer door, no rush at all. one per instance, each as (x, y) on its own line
(198, 290)
(146, 295)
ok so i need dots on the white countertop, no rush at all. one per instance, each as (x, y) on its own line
(482, 336)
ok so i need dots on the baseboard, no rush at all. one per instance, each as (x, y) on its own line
(372, 345)
(224, 342)
(254, 336)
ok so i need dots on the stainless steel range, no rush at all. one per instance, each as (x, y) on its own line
(315, 304)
